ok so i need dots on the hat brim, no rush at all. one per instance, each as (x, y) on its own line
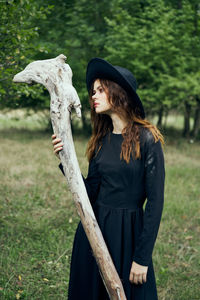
(100, 68)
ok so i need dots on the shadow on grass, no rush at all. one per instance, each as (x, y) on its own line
(28, 134)
(172, 136)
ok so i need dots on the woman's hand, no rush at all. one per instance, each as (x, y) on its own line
(138, 273)
(57, 145)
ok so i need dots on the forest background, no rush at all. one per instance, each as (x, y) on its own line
(159, 42)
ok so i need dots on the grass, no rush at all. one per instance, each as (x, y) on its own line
(38, 218)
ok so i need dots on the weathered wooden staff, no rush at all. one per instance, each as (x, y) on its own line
(56, 76)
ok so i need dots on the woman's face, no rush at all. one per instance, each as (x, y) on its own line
(100, 99)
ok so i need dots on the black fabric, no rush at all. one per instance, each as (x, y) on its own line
(117, 191)
(99, 68)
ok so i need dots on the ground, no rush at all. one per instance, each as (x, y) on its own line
(38, 217)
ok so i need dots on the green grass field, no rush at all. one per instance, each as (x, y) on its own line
(38, 217)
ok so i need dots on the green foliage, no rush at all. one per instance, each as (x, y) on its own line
(78, 31)
(18, 44)
(158, 41)
(160, 44)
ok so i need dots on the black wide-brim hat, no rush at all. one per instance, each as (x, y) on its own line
(99, 68)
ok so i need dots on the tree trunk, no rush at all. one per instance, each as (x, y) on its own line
(179, 4)
(160, 117)
(86, 126)
(196, 126)
(186, 131)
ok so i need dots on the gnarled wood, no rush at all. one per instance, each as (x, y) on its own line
(56, 76)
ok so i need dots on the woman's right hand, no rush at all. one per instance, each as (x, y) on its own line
(57, 145)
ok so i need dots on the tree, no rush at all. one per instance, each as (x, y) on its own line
(160, 44)
(158, 41)
(17, 49)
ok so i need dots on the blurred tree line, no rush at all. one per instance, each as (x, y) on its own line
(159, 41)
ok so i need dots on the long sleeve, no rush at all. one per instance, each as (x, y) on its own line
(61, 168)
(154, 187)
(92, 181)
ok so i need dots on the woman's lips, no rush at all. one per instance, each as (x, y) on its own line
(96, 104)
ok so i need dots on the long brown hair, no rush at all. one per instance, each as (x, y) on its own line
(122, 104)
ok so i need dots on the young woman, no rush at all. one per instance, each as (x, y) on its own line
(126, 167)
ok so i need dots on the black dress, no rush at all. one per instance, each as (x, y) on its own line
(117, 191)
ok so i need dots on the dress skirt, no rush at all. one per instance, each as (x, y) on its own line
(120, 229)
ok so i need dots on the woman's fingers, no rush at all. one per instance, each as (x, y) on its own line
(55, 141)
(59, 145)
(131, 277)
(144, 277)
(138, 279)
(138, 273)
(58, 149)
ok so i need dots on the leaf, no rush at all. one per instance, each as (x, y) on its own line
(45, 279)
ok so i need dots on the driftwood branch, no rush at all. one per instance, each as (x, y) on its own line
(56, 76)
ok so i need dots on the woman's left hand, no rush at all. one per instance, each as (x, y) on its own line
(138, 273)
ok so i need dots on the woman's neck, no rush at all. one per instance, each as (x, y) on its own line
(118, 123)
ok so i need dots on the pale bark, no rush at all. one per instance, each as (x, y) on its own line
(56, 76)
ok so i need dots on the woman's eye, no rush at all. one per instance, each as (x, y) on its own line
(101, 90)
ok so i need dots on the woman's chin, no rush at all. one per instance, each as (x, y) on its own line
(101, 111)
